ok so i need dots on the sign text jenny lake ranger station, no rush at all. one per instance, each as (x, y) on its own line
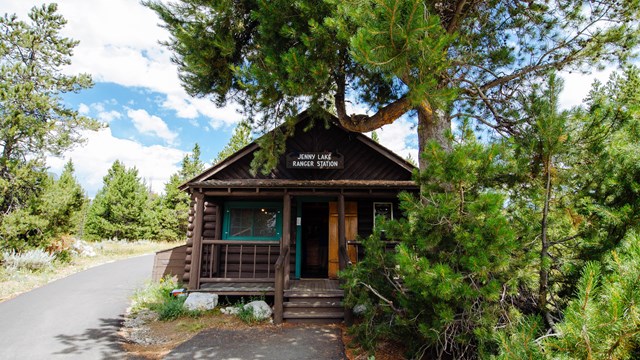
(315, 160)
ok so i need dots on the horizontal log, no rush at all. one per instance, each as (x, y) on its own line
(189, 241)
(191, 218)
(187, 258)
(191, 210)
(209, 225)
(211, 210)
(187, 268)
(209, 218)
(189, 250)
(190, 227)
(209, 233)
(185, 278)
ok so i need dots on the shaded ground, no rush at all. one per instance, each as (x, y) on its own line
(274, 342)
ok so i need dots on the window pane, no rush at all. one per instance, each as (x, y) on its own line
(265, 222)
(241, 223)
(253, 222)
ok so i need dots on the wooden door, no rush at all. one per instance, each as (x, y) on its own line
(351, 231)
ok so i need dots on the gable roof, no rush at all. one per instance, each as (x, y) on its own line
(365, 160)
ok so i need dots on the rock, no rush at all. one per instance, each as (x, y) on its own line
(230, 310)
(261, 310)
(201, 301)
(83, 249)
(359, 309)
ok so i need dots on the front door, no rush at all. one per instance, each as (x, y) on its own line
(351, 231)
(315, 239)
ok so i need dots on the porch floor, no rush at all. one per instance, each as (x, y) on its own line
(300, 287)
(314, 286)
(241, 288)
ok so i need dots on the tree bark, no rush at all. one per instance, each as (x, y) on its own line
(431, 126)
(543, 288)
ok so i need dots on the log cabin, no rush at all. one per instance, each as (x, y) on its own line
(289, 233)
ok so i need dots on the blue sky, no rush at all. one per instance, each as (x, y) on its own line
(152, 122)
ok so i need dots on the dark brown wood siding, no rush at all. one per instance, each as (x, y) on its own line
(360, 161)
(169, 262)
(189, 245)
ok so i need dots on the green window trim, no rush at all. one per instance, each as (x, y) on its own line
(251, 205)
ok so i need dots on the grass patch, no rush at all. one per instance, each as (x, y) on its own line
(156, 297)
(16, 281)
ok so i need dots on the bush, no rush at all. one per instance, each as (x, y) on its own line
(33, 260)
(600, 321)
(156, 296)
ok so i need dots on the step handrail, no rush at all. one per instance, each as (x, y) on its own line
(279, 287)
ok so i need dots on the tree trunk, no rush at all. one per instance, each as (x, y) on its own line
(543, 288)
(432, 125)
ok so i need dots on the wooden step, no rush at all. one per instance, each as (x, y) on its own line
(317, 303)
(309, 294)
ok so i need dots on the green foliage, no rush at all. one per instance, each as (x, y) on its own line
(32, 260)
(240, 138)
(156, 296)
(602, 320)
(449, 281)
(171, 210)
(35, 122)
(54, 213)
(120, 208)
(447, 60)
(33, 119)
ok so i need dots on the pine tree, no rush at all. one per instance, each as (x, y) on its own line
(240, 138)
(56, 212)
(451, 279)
(119, 209)
(171, 210)
(33, 119)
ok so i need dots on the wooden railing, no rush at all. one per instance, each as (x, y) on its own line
(279, 286)
(224, 260)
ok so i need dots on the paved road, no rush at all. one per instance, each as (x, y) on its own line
(73, 318)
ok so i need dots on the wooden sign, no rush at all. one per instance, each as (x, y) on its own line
(315, 160)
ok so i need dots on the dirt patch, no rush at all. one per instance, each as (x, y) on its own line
(148, 338)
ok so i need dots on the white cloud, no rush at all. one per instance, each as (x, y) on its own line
(397, 138)
(108, 116)
(151, 125)
(83, 109)
(119, 43)
(577, 86)
(155, 163)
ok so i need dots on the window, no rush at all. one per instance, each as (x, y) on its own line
(252, 221)
(384, 209)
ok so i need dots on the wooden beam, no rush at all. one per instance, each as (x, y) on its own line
(286, 235)
(194, 274)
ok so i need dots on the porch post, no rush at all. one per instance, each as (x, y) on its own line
(194, 277)
(286, 236)
(342, 241)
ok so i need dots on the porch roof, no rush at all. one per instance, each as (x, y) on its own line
(297, 184)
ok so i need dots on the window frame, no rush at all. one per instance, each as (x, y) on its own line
(389, 203)
(230, 205)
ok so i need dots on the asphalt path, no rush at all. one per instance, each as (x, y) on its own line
(76, 317)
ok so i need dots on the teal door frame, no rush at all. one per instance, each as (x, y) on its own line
(299, 201)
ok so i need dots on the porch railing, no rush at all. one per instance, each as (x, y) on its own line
(238, 260)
